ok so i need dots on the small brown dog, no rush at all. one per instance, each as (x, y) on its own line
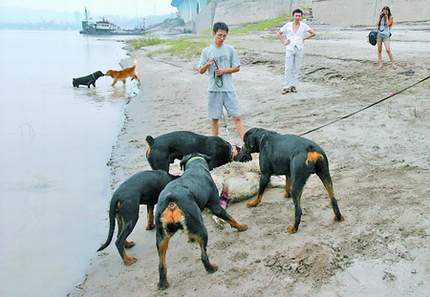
(122, 74)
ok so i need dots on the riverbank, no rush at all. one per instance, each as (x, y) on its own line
(379, 164)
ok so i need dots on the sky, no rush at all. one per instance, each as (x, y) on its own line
(129, 8)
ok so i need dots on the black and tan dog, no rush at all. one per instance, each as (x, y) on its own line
(296, 158)
(87, 80)
(142, 188)
(164, 149)
(180, 206)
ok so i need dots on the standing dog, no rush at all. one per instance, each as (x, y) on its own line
(142, 188)
(87, 80)
(163, 150)
(296, 158)
(123, 74)
(180, 206)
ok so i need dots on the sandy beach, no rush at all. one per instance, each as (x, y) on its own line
(379, 160)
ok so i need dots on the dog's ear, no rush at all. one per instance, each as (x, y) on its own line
(150, 140)
(242, 155)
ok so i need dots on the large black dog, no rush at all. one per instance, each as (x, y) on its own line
(164, 149)
(87, 80)
(142, 188)
(180, 206)
(296, 158)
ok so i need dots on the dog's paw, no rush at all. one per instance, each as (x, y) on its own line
(129, 260)
(150, 227)
(163, 285)
(252, 203)
(287, 195)
(340, 219)
(291, 229)
(242, 227)
(213, 268)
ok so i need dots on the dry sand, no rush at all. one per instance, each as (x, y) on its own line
(379, 163)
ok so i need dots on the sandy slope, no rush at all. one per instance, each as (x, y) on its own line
(379, 162)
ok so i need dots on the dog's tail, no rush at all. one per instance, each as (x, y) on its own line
(171, 217)
(150, 140)
(112, 211)
(312, 159)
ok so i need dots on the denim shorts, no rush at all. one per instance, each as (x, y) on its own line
(382, 37)
(218, 100)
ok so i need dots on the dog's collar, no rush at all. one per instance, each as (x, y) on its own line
(195, 158)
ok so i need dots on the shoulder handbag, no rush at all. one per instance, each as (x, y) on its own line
(372, 37)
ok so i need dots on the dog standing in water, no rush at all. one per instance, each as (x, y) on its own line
(123, 74)
(87, 80)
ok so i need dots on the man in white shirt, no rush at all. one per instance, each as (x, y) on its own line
(292, 36)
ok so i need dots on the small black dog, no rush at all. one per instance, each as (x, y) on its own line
(164, 149)
(87, 80)
(180, 206)
(142, 188)
(296, 158)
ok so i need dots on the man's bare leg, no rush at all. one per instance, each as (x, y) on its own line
(215, 127)
(239, 126)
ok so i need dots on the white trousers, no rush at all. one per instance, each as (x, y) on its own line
(293, 64)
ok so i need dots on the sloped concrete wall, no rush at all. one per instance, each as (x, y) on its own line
(204, 20)
(235, 12)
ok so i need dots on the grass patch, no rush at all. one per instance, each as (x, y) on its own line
(182, 47)
(261, 26)
(144, 41)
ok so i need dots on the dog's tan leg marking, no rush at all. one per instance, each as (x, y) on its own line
(211, 268)
(150, 222)
(237, 225)
(291, 229)
(255, 202)
(329, 187)
(164, 244)
(287, 187)
(129, 260)
(114, 82)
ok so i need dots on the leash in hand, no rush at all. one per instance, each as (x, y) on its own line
(218, 79)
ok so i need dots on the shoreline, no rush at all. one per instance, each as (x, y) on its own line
(379, 187)
(123, 62)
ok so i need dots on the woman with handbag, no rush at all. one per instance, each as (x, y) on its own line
(385, 23)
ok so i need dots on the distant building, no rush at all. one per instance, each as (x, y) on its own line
(188, 10)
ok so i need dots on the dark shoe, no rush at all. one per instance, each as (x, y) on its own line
(285, 91)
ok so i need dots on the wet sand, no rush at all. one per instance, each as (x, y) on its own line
(379, 164)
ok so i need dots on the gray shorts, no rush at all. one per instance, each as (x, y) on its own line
(219, 99)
